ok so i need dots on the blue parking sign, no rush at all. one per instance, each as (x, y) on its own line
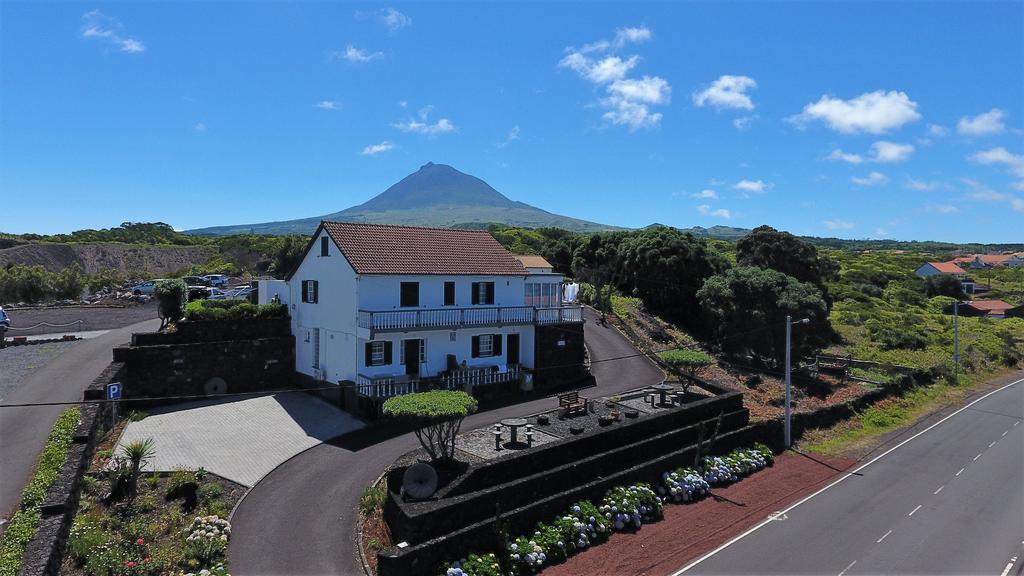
(114, 391)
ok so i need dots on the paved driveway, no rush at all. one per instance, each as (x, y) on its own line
(239, 440)
(316, 494)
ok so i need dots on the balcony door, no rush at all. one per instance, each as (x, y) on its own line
(512, 349)
(411, 352)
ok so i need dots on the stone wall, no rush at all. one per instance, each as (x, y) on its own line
(45, 552)
(248, 355)
(558, 355)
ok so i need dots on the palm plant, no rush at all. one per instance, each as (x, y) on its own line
(137, 454)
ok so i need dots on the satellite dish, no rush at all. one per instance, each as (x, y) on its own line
(420, 481)
(214, 386)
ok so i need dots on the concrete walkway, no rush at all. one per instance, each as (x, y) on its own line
(241, 440)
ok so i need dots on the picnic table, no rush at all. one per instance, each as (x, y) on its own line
(663, 390)
(514, 424)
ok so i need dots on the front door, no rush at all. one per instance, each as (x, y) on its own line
(512, 354)
(411, 356)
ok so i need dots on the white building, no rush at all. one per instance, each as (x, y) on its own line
(396, 309)
(949, 269)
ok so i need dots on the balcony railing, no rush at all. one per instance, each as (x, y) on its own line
(468, 317)
(388, 386)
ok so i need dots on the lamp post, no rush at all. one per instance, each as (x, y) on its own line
(789, 333)
(956, 341)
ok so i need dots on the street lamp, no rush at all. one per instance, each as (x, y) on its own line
(789, 331)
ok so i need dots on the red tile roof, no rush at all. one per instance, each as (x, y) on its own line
(947, 268)
(390, 249)
(533, 261)
(997, 306)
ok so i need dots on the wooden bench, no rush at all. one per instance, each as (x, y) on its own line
(570, 403)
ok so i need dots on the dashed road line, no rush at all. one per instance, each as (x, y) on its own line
(1004, 433)
(961, 471)
(1008, 566)
(940, 489)
(993, 443)
(851, 566)
(914, 510)
(976, 458)
(879, 541)
(1017, 422)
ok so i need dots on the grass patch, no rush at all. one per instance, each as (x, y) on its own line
(621, 305)
(23, 525)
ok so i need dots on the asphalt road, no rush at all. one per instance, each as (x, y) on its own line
(23, 430)
(948, 500)
(300, 518)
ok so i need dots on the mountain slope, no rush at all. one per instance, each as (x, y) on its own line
(435, 195)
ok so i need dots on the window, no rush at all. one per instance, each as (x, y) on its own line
(486, 345)
(316, 348)
(378, 353)
(410, 296)
(483, 292)
(449, 293)
(310, 291)
(323, 246)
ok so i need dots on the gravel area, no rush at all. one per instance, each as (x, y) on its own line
(16, 362)
(92, 317)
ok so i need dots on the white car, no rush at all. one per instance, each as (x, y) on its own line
(215, 294)
(145, 288)
(218, 280)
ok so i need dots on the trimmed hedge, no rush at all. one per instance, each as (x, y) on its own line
(232, 309)
(22, 527)
(433, 405)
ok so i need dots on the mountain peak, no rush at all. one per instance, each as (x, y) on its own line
(435, 185)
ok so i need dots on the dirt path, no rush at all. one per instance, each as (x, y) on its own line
(690, 530)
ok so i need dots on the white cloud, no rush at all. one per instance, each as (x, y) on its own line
(628, 100)
(1017, 204)
(374, 149)
(394, 19)
(986, 124)
(512, 136)
(96, 25)
(1019, 185)
(199, 127)
(873, 112)
(706, 210)
(440, 127)
(707, 193)
(1000, 155)
(983, 193)
(838, 154)
(358, 55)
(881, 233)
(920, 185)
(744, 122)
(937, 131)
(872, 179)
(943, 208)
(838, 224)
(890, 152)
(328, 105)
(755, 186)
(727, 92)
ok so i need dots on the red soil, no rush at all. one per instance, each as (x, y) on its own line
(690, 530)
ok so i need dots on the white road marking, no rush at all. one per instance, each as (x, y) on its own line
(1004, 433)
(914, 510)
(961, 471)
(940, 489)
(1017, 422)
(879, 541)
(1009, 566)
(993, 444)
(976, 458)
(851, 566)
(849, 474)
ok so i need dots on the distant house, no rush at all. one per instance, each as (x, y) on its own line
(948, 269)
(396, 309)
(1012, 260)
(990, 309)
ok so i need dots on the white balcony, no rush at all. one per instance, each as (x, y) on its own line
(448, 318)
(462, 379)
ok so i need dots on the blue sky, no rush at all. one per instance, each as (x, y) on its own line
(857, 120)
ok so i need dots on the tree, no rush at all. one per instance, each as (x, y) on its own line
(766, 247)
(747, 309)
(135, 455)
(689, 363)
(943, 285)
(171, 296)
(437, 416)
(596, 261)
(665, 267)
(287, 256)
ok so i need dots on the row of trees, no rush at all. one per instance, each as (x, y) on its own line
(21, 283)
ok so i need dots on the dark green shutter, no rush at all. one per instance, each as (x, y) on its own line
(387, 353)
(476, 292)
(476, 346)
(496, 345)
(316, 291)
(304, 290)
(369, 354)
(490, 292)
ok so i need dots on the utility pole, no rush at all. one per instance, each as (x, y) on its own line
(956, 341)
(789, 334)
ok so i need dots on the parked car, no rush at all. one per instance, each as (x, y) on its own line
(216, 294)
(145, 287)
(196, 281)
(217, 280)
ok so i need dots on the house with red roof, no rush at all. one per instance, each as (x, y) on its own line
(990, 309)
(387, 310)
(1010, 260)
(949, 269)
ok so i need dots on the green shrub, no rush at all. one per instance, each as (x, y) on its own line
(85, 537)
(690, 362)
(210, 492)
(232, 309)
(179, 483)
(171, 296)
(371, 499)
(437, 416)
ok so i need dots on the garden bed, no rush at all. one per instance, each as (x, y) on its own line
(113, 534)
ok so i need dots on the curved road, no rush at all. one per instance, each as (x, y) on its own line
(23, 431)
(299, 519)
